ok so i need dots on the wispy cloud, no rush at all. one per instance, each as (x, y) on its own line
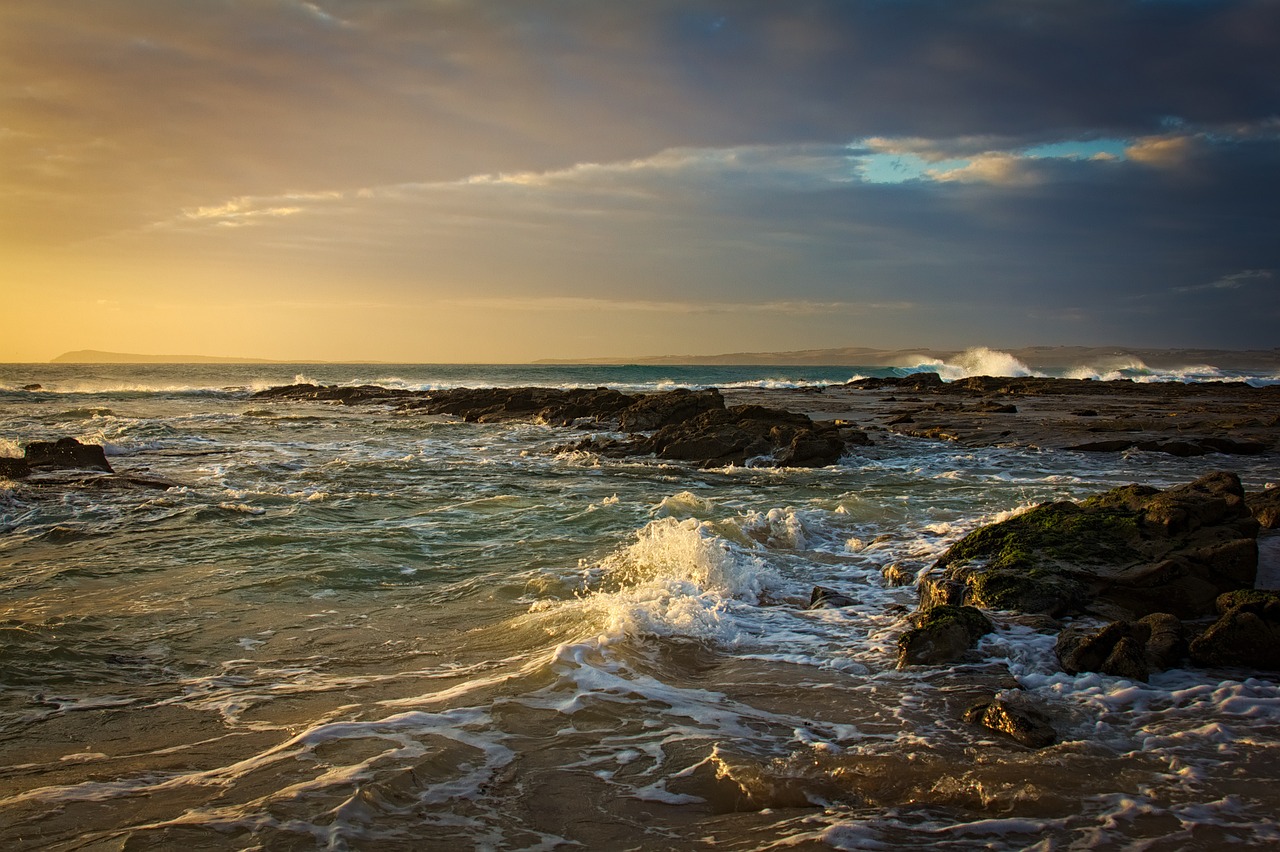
(1234, 281)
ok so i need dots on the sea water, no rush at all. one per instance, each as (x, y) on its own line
(356, 628)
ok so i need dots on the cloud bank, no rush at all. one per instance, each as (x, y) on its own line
(919, 172)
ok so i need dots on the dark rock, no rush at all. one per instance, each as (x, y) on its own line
(1083, 650)
(66, 454)
(1265, 507)
(720, 437)
(657, 410)
(915, 381)
(1247, 634)
(32, 387)
(896, 574)
(997, 408)
(823, 597)
(942, 635)
(354, 395)
(1233, 447)
(1132, 548)
(1166, 644)
(1085, 412)
(1125, 649)
(1181, 448)
(1016, 716)
(14, 468)
(1113, 446)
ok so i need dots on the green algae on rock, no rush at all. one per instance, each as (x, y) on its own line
(1131, 550)
(942, 635)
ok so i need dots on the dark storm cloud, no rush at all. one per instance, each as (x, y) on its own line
(670, 153)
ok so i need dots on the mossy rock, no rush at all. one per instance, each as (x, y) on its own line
(970, 618)
(1123, 553)
(943, 634)
(1061, 532)
(1034, 590)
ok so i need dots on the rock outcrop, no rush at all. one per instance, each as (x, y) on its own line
(942, 635)
(1246, 634)
(681, 424)
(65, 454)
(732, 436)
(1125, 649)
(1130, 551)
(1017, 717)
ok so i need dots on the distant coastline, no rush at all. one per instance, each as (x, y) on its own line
(1036, 357)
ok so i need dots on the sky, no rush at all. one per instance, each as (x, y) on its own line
(509, 180)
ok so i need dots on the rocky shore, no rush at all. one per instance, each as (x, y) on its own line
(1130, 581)
(682, 424)
(1077, 414)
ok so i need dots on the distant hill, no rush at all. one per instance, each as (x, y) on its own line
(1036, 357)
(95, 356)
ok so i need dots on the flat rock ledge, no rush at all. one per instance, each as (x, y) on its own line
(681, 425)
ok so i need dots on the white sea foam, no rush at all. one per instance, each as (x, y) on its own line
(979, 361)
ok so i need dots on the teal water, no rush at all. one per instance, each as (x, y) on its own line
(352, 628)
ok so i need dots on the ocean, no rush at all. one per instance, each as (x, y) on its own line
(352, 628)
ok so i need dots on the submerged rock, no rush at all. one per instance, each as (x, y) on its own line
(1016, 716)
(1125, 649)
(942, 635)
(1133, 550)
(1246, 634)
(823, 597)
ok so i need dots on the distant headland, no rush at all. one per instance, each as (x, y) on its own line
(97, 356)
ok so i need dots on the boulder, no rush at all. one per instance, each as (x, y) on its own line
(1265, 507)
(942, 635)
(1125, 649)
(1247, 634)
(1132, 550)
(65, 454)
(897, 574)
(1016, 716)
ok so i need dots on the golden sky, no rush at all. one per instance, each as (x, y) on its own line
(451, 181)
